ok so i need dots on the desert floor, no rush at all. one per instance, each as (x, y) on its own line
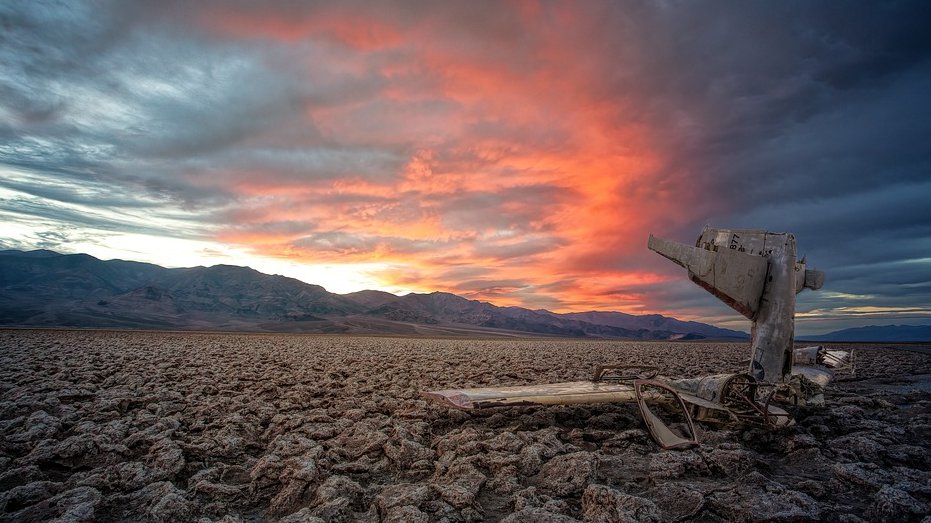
(127, 426)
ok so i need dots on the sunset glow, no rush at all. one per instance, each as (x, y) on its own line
(509, 163)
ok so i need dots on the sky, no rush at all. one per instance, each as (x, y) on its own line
(513, 152)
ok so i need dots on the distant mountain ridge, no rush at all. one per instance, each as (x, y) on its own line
(654, 321)
(878, 333)
(44, 288)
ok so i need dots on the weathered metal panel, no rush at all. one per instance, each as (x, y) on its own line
(807, 355)
(736, 278)
(660, 431)
(568, 393)
(707, 388)
(820, 375)
(837, 359)
(814, 280)
(773, 329)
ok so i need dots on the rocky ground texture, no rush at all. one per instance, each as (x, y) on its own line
(128, 426)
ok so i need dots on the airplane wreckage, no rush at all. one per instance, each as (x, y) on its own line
(756, 273)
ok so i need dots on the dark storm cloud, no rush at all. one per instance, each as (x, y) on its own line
(810, 118)
(97, 92)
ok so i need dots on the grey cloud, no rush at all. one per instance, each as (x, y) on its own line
(465, 272)
(513, 208)
(43, 41)
(277, 227)
(57, 237)
(339, 242)
(60, 190)
(510, 250)
(34, 211)
(490, 286)
(738, 94)
(120, 92)
(304, 165)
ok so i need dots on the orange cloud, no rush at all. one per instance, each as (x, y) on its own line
(513, 157)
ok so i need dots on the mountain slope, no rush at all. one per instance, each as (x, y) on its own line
(878, 333)
(80, 290)
(450, 309)
(371, 299)
(38, 253)
(39, 278)
(42, 288)
(655, 322)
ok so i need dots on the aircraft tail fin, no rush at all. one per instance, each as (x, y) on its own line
(735, 277)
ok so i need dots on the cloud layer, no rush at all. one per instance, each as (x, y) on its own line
(515, 152)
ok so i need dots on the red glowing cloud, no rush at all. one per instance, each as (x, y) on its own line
(487, 158)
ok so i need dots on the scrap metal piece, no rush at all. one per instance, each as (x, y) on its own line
(817, 374)
(569, 393)
(750, 402)
(736, 278)
(661, 432)
(818, 355)
(805, 386)
(624, 373)
(807, 355)
(818, 364)
(710, 388)
(839, 359)
(813, 280)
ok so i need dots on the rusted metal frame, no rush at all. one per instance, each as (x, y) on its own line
(771, 418)
(765, 413)
(741, 390)
(745, 393)
(716, 416)
(645, 372)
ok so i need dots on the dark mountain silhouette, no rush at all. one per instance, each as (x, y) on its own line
(371, 299)
(38, 253)
(445, 308)
(43, 288)
(877, 333)
(654, 322)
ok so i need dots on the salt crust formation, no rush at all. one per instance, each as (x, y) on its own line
(124, 426)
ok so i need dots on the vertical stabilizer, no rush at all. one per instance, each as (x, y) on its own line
(757, 274)
(736, 278)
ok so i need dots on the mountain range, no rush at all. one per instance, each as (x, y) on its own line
(46, 289)
(43, 288)
(878, 333)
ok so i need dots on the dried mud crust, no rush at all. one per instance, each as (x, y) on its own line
(117, 426)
